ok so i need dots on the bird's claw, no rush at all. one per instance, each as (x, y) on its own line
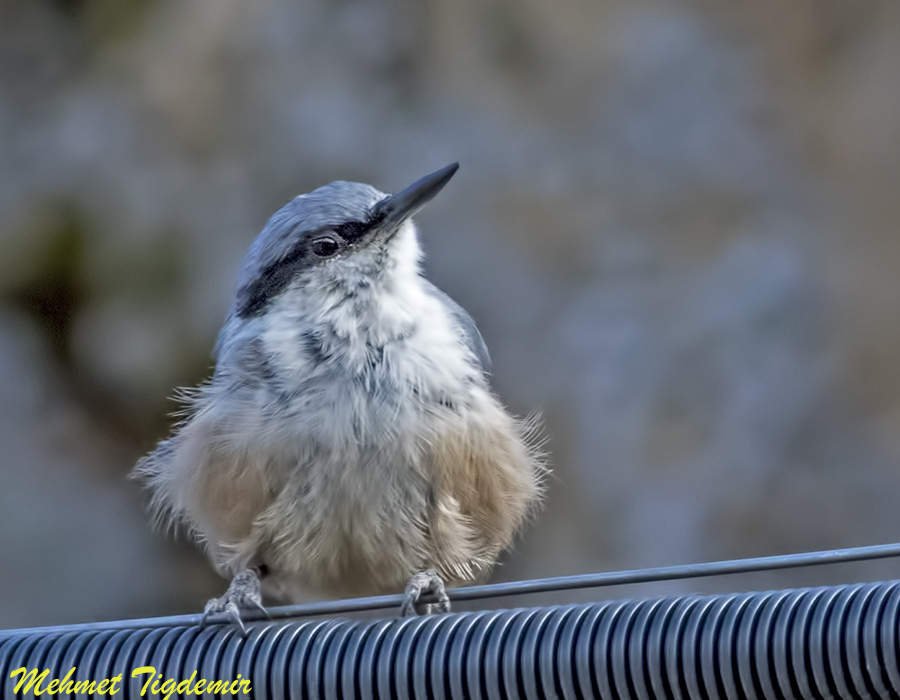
(243, 594)
(425, 582)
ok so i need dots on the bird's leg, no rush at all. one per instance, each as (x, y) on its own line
(243, 594)
(425, 582)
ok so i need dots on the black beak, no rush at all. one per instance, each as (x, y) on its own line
(399, 207)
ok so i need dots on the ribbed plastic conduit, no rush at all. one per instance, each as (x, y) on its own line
(818, 643)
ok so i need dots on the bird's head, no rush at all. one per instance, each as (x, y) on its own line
(339, 238)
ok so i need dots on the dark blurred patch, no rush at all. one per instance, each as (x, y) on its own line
(106, 20)
(152, 270)
(55, 291)
(70, 7)
(59, 287)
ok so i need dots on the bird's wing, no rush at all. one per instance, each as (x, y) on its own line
(473, 338)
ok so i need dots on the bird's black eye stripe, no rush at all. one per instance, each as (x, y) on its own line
(271, 281)
(352, 230)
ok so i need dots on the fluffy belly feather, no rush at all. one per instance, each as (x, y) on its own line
(348, 479)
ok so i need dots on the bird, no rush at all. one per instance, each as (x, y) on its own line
(349, 442)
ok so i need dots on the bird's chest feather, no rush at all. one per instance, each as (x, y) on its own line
(366, 370)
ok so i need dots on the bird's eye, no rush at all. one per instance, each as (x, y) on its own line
(325, 247)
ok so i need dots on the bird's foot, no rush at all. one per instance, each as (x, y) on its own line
(243, 594)
(425, 582)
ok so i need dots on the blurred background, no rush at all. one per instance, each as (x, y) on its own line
(676, 224)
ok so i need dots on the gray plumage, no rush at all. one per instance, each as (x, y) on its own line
(348, 439)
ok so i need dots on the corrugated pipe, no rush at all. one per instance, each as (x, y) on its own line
(830, 642)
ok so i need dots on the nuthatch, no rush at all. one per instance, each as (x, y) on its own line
(348, 442)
